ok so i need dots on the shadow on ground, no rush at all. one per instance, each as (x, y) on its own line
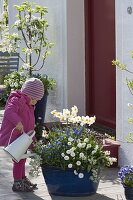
(92, 197)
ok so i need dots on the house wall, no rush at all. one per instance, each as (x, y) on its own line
(66, 64)
(124, 46)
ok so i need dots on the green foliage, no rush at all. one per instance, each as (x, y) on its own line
(3, 98)
(14, 80)
(39, 129)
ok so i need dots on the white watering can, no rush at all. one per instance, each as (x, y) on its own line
(17, 149)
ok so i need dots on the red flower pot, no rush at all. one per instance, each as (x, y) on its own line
(113, 147)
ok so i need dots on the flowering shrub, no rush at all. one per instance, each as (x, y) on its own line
(129, 83)
(72, 144)
(32, 26)
(12, 81)
(126, 175)
(15, 80)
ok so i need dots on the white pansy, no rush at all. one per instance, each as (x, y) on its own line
(58, 115)
(62, 154)
(66, 113)
(73, 114)
(69, 143)
(88, 146)
(78, 119)
(87, 120)
(84, 158)
(74, 110)
(70, 139)
(93, 152)
(72, 120)
(53, 112)
(81, 155)
(86, 140)
(70, 165)
(78, 163)
(78, 141)
(72, 154)
(81, 175)
(79, 145)
(68, 151)
(83, 145)
(62, 118)
(73, 148)
(66, 157)
(75, 172)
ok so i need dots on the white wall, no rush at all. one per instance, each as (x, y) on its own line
(124, 46)
(76, 54)
(66, 64)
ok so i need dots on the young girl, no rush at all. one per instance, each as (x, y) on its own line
(19, 114)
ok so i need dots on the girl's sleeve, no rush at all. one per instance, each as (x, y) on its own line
(11, 111)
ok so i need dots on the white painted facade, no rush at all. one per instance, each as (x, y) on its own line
(124, 46)
(67, 62)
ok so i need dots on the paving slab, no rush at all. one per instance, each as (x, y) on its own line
(109, 188)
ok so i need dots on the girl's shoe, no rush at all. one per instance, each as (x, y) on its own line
(20, 186)
(27, 181)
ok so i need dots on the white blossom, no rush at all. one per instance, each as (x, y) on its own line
(72, 154)
(62, 154)
(80, 175)
(70, 165)
(78, 163)
(75, 172)
(66, 157)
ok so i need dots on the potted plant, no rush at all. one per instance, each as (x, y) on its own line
(30, 41)
(126, 176)
(70, 155)
(14, 81)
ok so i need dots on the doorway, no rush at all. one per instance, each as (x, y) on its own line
(99, 53)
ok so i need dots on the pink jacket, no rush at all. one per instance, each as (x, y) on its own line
(17, 109)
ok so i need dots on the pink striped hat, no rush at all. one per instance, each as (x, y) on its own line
(34, 88)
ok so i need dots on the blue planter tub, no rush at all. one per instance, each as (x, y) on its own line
(66, 183)
(128, 192)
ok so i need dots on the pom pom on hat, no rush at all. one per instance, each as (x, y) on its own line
(34, 88)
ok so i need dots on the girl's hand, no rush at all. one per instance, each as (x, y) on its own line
(20, 127)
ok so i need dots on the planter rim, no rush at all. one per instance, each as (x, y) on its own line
(126, 186)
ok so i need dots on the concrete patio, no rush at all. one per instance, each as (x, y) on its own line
(109, 186)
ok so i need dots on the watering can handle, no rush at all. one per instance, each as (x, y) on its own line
(11, 136)
(30, 133)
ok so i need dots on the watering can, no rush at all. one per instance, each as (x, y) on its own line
(17, 149)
